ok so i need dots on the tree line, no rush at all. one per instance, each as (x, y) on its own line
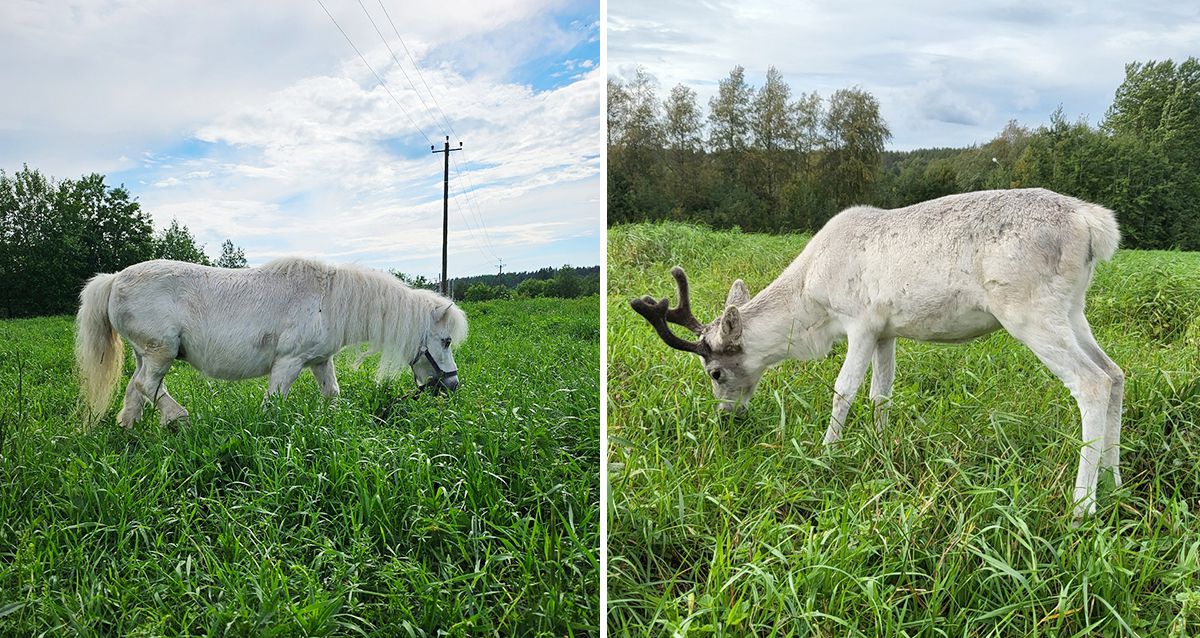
(567, 282)
(55, 234)
(765, 160)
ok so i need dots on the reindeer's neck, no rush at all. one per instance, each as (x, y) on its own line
(782, 322)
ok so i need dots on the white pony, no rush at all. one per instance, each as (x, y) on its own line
(946, 270)
(276, 319)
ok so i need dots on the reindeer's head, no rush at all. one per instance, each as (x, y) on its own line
(734, 375)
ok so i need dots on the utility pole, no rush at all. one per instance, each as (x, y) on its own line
(445, 207)
(501, 262)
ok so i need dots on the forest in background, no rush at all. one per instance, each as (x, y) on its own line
(56, 234)
(763, 159)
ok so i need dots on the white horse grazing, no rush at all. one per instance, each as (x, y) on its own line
(946, 270)
(276, 319)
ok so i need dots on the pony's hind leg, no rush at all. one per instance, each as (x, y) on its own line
(326, 379)
(135, 402)
(153, 388)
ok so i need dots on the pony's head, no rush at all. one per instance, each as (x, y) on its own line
(433, 367)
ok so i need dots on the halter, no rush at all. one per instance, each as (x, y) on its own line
(439, 375)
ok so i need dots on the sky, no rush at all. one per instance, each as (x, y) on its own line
(946, 74)
(259, 123)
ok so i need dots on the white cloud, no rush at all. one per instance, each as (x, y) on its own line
(946, 74)
(258, 122)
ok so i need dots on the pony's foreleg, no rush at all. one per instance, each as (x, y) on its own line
(326, 379)
(283, 375)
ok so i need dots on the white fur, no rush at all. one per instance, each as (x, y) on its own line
(946, 270)
(276, 319)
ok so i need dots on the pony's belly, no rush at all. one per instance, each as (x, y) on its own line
(230, 366)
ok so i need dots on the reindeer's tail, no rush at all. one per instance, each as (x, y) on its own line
(1102, 226)
(99, 351)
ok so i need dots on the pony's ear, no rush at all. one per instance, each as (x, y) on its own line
(440, 314)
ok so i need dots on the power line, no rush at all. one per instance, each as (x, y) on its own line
(473, 208)
(377, 77)
(473, 204)
(469, 194)
(401, 67)
(418, 69)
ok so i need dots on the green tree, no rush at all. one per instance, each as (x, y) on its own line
(854, 138)
(773, 124)
(40, 251)
(178, 243)
(231, 256)
(532, 288)
(684, 141)
(565, 284)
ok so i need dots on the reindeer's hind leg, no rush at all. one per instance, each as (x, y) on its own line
(1048, 333)
(883, 374)
(1110, 458)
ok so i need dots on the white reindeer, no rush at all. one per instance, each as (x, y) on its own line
(276, 319)
(947, 270)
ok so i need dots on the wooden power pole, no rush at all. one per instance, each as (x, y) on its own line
(445, 207)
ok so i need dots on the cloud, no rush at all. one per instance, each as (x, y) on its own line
(946, 74)
(258, 122)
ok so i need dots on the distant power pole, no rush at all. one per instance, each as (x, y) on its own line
(501, 262)
(445, 206)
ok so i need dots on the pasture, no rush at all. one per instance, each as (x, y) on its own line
(955, 522)
(475, 514)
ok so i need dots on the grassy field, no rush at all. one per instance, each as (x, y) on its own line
(465, 516)
(956, 523)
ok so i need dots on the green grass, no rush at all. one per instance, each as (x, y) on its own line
(472, 515)
(956, 523)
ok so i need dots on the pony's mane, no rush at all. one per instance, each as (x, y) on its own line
(374, 307)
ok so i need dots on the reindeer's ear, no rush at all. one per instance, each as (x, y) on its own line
(738, 294)
(731, 327)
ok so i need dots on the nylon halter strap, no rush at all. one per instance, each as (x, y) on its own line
(439, 375)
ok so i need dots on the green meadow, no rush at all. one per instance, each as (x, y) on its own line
(954, 522)
(470, 515)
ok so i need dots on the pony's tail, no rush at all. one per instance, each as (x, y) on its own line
(99, 351)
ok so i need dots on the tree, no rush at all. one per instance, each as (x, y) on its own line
(177, 242)
(416, 281)
(532, 288)
(729, 114)
(115, 231)
(774, 127)
(56, 235)
(484, 292)
(39, 244)
(683, 133)
(565, 283)
(854, 139)
(231, 256)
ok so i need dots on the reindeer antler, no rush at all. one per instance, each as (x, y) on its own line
(682, 314)
(658, 313)
(655, 312)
